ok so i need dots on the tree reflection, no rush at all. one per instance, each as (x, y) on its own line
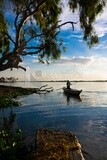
(8, 122)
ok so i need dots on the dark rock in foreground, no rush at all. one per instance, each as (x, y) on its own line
(57, 145)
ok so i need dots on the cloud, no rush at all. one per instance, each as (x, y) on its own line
(67, 15)
(76, 60)
(75, 35)
(35, 61)
(99, 60)
(35, 56)
(102, 45)
(82, 60)
(100, 24)
(92, 60)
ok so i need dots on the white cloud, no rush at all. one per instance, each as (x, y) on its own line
(101, 45)
(82, 60)
(35, 61)
(100, 24)
(34, 56)
(100, 61)
(76, 60)
(75, 35)
(67, 15)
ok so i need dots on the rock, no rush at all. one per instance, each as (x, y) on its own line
(57, 145)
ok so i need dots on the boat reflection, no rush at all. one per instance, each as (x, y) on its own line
(72, 98)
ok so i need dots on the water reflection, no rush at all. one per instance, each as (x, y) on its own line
(7, 122)
(70, 98)
(86, 117)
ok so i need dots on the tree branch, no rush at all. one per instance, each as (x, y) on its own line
(26, 15)
(72, 23)
(11, 62)
(16, 18)
(22, 68)
(39, 48)
(9, 37)
(38, 35)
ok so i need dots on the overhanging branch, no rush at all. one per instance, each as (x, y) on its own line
(37, 35)
(68, 22)
(9, 37)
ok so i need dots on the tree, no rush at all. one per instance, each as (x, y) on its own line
(37, 26)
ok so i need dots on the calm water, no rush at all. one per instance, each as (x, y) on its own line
(86, 117)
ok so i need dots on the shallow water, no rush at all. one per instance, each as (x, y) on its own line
(85, 116)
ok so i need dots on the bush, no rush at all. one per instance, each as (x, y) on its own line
(11, 141)
(6, 101)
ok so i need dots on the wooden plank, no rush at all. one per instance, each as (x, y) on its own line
(57, 145)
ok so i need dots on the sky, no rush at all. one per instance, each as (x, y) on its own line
(78, 62)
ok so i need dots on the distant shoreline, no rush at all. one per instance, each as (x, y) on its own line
(65, 81)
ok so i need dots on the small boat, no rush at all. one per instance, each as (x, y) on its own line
(73, 92)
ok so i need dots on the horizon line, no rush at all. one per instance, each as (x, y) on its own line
(63, 81)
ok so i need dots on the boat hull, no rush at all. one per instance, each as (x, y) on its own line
(73, 92)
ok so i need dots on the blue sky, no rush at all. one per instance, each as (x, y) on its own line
(78, 62)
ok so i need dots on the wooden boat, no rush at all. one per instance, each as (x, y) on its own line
(73, 92)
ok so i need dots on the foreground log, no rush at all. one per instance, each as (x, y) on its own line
(57, 145)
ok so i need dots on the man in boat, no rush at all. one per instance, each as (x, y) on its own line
(68, 84)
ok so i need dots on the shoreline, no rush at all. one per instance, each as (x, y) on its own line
(57, 81)
(5, 90)
(8, 94)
